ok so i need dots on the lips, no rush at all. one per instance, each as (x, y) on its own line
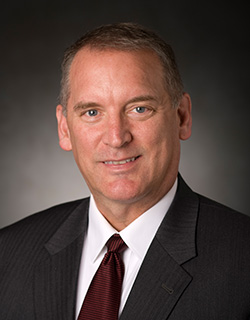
(119, 162)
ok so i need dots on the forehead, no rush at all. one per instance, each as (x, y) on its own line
(92, 60)
(97, 71)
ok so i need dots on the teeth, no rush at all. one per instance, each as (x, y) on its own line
(120, 162)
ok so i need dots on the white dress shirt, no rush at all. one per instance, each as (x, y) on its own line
(138, 236)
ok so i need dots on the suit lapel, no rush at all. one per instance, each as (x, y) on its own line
(55, 280)
(161, 280)
(158, 287)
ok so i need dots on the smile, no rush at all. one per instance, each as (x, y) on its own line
(121, 161)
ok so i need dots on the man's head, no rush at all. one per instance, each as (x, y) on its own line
(125, 37)
(122, 128)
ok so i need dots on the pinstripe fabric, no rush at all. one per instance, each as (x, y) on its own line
(197, 266)
(103, 297)
(39, 261)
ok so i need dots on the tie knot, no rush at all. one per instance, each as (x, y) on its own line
(116, 244)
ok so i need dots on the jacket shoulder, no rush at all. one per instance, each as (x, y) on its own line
(220, 211)
(222, 228)
(39, 226)
(24, 248)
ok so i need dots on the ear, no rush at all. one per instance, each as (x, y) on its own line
(185, 117)
(63, 130)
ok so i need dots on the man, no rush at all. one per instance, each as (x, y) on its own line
(123, 113)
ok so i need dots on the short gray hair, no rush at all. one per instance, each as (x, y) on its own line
(125, 37)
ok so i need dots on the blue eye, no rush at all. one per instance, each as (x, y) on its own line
(92, 113)
(140, 109)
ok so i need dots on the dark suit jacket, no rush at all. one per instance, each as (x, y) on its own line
(197, 267)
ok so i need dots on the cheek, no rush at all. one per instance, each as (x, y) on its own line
(81, 144)
(162, 143)
(85, 145)
(157, 135)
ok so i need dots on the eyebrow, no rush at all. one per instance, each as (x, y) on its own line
(141, 99)
(86, 105)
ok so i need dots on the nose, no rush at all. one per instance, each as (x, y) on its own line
(117, 132)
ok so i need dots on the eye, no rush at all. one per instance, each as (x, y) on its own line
(141, 112)
(92, 113)
(140, 109)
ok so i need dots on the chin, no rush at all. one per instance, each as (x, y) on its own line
(123, 192)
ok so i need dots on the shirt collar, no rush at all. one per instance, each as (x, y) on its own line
(99, 230)
(138, 235)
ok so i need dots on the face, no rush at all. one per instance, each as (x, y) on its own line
(121, 126)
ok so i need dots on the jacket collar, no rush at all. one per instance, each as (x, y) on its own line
(55, 278)
(178, 229)
(162, 280)
(74, 226)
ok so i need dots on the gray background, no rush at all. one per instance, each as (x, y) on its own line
(211, 42)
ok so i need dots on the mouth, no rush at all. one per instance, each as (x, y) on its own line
(119, 162)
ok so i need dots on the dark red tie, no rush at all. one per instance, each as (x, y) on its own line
(102, 300)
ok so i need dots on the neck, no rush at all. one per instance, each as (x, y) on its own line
(121, 213)
(120, 216)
